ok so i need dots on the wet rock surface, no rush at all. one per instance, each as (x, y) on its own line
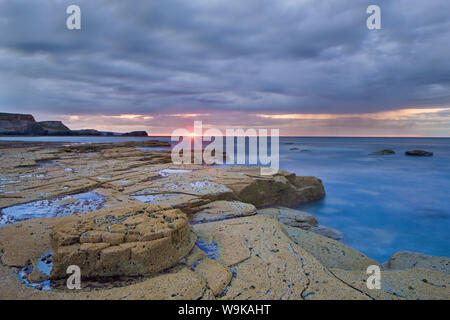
(140, 227)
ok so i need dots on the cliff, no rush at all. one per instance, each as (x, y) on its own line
(25, 124)
(54, 128)
(135, 134)
(18, 124)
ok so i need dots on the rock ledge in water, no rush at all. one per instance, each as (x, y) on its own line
(383, 152)
(419, 153)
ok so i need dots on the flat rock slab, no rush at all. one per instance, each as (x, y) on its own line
(331, 253)
(221, 210)
(301, 219)
(291, 217)
(267, 264)
(409, 260)
(328, 232)
(416, 284)
(140, 240)
(216, 275)
(178, 284)
(26, 241)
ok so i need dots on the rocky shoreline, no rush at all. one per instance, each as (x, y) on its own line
(140, 227)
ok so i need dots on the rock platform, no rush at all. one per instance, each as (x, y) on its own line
(140, 227)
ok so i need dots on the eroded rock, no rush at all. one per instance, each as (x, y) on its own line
(281, 189)
(130, 241)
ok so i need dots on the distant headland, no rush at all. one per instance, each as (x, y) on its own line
(25, 125)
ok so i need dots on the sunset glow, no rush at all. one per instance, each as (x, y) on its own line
(385, 115)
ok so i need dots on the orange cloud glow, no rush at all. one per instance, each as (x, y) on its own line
(401, 114)
(129, 117)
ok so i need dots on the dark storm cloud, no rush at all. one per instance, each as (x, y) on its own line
(265, 56)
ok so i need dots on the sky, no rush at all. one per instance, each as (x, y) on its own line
(306, 67)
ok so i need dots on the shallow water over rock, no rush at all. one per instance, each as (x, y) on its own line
(56, 207)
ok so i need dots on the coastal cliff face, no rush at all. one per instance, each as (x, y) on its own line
(54, 128)
(18, 124)
(25, 124)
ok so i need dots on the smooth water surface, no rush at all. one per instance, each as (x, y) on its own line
(382, 204)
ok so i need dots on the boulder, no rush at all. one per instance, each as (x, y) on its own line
(408, 260)
(281, 189)
(419, 153)
(131, 241)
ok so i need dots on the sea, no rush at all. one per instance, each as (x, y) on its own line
(381, 203)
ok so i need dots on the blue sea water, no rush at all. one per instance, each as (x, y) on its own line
(382, 204)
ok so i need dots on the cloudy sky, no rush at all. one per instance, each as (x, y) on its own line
(307, 67)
